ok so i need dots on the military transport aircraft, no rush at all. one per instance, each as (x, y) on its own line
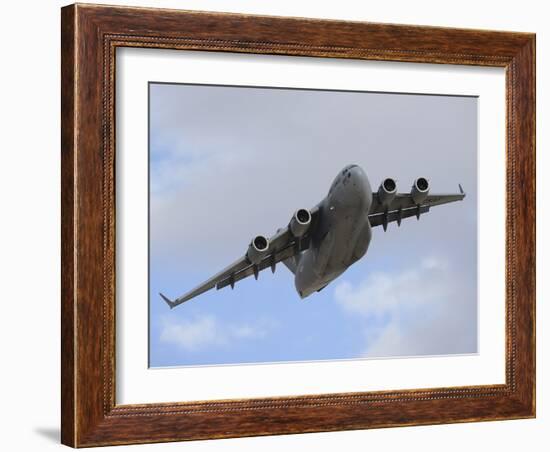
(318, 245)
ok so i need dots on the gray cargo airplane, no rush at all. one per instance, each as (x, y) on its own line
(318, 245)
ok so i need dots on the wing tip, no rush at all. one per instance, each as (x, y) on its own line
(168, 301)
(461, 190)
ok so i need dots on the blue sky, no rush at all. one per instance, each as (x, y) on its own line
(228, 163)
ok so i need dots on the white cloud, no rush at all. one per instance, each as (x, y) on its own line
(387, 293)
(248, 332)
(192, 335)
(417, 311)
(206, 332)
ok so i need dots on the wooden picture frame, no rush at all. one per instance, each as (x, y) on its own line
(90, 35)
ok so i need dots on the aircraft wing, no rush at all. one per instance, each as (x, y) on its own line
(403, 206)
(282, 245)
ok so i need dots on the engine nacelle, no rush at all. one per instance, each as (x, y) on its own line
(300, 222)
(387, 191)
(257, 249)
(420, 189)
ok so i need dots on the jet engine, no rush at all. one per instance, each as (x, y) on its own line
(300, 222)
(257, 249)
(420, 189)
(387, 191)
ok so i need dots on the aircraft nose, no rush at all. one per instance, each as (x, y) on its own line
(357, 175)
(359, 180)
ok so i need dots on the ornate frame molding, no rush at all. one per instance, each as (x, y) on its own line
(90, 36)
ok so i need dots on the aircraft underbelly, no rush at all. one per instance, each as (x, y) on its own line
(343, 245)
(351, 243)
(343, 233)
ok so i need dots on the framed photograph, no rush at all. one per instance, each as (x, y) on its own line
(281, 225)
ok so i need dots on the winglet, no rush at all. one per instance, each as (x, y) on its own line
(460, 188)
(168, 301)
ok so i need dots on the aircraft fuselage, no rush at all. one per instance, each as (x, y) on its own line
(343, 233)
